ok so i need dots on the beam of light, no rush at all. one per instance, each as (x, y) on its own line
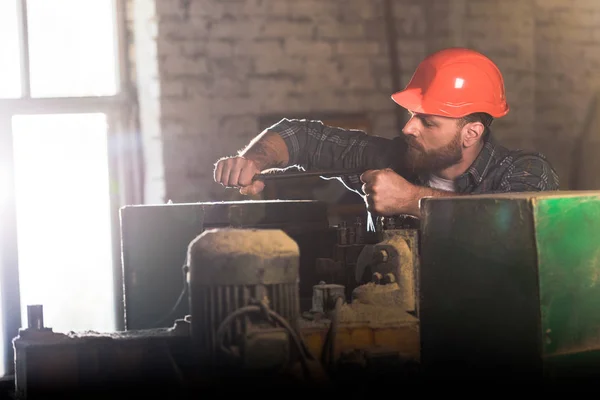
(63, 220)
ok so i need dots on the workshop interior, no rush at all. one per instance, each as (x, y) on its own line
(125, 269)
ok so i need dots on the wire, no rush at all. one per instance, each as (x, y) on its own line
(328, 350)
(170, 314)
(304, 355)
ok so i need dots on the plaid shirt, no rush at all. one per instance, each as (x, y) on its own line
(315, 146)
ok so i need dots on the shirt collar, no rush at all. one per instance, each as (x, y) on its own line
(480, 167)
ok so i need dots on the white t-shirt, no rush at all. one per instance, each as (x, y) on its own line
(436, 182)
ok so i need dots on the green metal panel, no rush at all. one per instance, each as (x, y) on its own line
(568, 246)
(512, 280)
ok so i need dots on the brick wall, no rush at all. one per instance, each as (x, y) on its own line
(224, 64)
(567, 43)
(504, 31)
(207, 70)
(549, 53)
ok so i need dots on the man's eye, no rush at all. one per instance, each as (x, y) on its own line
(426, 123)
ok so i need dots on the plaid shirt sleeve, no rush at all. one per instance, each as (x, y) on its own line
(528, 172)
(313, 145)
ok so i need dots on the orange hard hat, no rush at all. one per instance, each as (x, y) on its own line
(455, 82)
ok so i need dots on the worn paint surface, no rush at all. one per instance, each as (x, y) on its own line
(568, 247)
(402, 338)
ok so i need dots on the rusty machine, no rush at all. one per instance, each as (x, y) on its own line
(497, 286)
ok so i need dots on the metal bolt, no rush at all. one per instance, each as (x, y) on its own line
(381, 255)
(377, 277)
(390, 278)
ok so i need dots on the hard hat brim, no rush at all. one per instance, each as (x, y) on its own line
(412, 100)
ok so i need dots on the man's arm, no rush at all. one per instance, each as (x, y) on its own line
(388, 193)
(310, 145)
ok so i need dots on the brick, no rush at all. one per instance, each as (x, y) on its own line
(411, 20)
(169, 48)
(172, 88)
(575, 17)
(284, 105)
(308, 48)
(279, 29)
(321, 78)
(385, 124)
(358, 48)
(170, 30)
(229, 67)
(234, 29)
(357, 73)
(214, 9)
(180, 66)
(277, 65)
(329, 28)
(266, 8)
(233, 106)
(312, 7)
(209, 49)
(576, 34)
(280, 85)
(272, 47)
(239, 125)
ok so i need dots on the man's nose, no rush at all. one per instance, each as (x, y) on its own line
(411, 127)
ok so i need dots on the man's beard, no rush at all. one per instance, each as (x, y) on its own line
(421, 161)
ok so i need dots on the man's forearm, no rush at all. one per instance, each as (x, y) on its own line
(267, 150)
(421, 192)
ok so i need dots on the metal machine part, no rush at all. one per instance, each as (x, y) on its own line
(394, 260)
(508, 282)
(87, 364)
(244, 302)
(155, 240)
(509, 287)
(325, 296)
(35, 316)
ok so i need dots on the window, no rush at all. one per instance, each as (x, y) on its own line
(63, 219)
(72, 48)
(10, 67)
(63, 112)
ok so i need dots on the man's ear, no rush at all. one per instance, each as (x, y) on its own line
(472, 132)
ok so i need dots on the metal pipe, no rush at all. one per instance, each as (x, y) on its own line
(395, 68)
(325, 174)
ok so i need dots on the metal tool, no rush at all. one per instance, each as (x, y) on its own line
(303, 174)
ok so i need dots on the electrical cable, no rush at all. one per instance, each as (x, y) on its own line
(170, 314)
(328, 350)
(304, 355)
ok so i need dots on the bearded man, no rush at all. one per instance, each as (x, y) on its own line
(446, 148)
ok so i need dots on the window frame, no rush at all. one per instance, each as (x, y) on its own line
(124, 168)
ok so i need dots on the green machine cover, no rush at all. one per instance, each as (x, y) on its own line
(510, 285)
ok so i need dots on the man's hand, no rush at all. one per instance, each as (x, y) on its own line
(388, 193)
(238, 172)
